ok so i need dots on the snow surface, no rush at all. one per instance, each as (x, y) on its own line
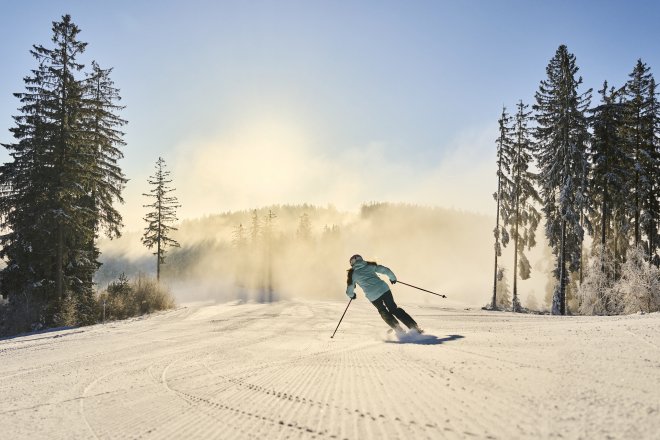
(271, 371)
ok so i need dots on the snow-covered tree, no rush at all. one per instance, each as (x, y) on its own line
(562, 139)
(521, 195)
(650, 220)
(503, 144)
(162, 215)
(609, 186)
(641, 104)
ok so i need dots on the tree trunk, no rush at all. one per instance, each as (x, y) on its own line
(59, 268)
(493, 304)
(158, 258)
(562, 270)
(515, 262)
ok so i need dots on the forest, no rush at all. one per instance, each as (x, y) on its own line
(592, 172)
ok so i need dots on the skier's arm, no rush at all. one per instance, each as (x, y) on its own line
(387, 272)
(350, 291)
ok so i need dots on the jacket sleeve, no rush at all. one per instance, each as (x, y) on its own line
(386, 271)
(350, 290)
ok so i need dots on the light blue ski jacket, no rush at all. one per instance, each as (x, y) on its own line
(364, 275)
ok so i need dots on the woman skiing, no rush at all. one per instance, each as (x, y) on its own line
(363, 273)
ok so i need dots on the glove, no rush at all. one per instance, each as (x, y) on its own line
(354, 296)
(393, 281)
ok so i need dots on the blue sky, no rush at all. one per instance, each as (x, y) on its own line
(341, 102)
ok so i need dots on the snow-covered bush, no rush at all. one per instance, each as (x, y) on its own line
(639, 286)
(636, 290)
(597, 294)
(531, 303)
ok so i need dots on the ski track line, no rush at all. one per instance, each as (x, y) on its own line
(239, 396)
(295, 394)
(84, 395)
(235, 411)
(149, 372)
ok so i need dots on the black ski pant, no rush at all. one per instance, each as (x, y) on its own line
(388, 310)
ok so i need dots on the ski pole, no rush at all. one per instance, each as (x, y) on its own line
(419, 288)
(342, 317)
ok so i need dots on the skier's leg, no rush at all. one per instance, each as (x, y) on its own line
(397, 311)
(385, 314)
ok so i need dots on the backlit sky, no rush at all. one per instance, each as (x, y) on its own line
(340, 102)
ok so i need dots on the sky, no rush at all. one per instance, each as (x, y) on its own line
(327, 102)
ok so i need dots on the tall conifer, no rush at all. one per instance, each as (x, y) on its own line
(49, 218)
(521, 212)
(609, 186)
(503, 145)
(159, 229)
(641, 111)
(562, 139)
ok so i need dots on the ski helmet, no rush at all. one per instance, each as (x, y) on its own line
(354, 259)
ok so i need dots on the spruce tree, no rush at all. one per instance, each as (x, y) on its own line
(562, 139)
(651, 219)
(159, 220)
(520, 212)
(503, 144)
(639, 144)
(48, 214)
(609, 185)
(105, 138)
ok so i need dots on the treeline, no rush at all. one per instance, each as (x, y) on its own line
(294, 251)
(587, 169)
(58, 192)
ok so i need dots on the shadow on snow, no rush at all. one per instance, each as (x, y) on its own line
(423, 339)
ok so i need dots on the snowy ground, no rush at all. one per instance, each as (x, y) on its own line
(272, 371)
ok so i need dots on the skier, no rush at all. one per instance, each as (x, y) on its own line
(376, 290)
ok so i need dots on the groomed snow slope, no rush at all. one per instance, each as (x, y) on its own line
(272, 372)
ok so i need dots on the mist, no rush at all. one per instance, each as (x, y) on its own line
(443, 250)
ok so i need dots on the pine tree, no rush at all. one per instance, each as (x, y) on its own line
(651, 204)
(163, 214)
(503, 145)
(562, 139)
(520, 211)
(640, 144)
(48, 214)
(608, 184)
(107, 179)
